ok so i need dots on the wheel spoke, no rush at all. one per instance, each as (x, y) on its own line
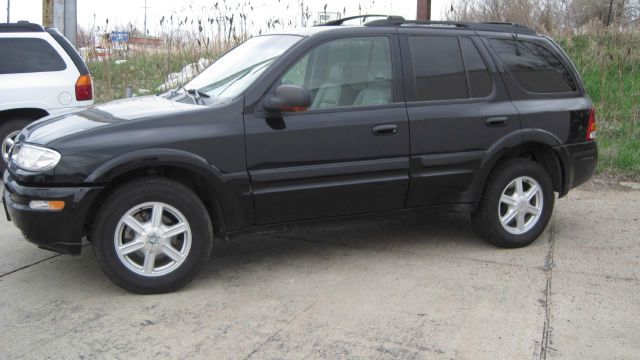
(134, 224)
(520, 221)
(130, 247)
(171, 252)
(149, 262)
(519, 188)
(175, 230)
(508, 217)
(10, 142)
(156, 215)
(507, 200)
(533, 210)
(531, 193)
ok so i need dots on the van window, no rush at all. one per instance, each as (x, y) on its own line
(22, 55)
(438, 68)
(534, 67)
(480, 81)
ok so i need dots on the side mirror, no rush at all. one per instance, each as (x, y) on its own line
(288, 98)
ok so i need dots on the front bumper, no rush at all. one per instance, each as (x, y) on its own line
(579, 163)
(60, 231)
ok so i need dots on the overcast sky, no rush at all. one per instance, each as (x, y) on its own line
(122, 12)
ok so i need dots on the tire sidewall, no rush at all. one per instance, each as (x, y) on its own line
(534, 171)
(177, 196)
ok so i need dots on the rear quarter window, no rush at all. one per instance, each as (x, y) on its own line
(20, 55)
(535, 68)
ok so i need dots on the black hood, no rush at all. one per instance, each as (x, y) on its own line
(56, 127)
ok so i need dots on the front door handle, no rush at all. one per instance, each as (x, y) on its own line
(497, 121)
(387, 129)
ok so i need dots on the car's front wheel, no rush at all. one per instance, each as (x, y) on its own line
(152, 236)
(516, 205)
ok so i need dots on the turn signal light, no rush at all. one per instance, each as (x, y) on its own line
(591, 128)
(84, 89)
(46, 205)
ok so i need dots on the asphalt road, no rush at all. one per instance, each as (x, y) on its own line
(423, 288)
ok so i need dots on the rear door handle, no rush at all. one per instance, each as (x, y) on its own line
(387, 129)
(497, 121)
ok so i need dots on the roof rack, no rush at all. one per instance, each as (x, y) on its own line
(20, 26)
(481, 26)
(363, 17)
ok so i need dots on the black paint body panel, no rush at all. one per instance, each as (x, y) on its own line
(268, 169)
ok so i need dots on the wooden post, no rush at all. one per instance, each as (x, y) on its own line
(424, 10)
(47, 13)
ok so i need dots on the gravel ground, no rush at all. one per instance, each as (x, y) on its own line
(417, 287)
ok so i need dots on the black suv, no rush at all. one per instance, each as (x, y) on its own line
(329, 121)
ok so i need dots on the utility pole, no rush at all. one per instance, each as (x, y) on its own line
(145, 17)
(70, 21)
(8, 10)
(63, 15)
(423, 10)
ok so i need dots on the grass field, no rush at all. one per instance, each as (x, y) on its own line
(609, 64)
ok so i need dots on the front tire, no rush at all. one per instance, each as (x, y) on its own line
(516, 204)
(152, 236)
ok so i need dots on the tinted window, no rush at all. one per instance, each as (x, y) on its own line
(28, 55)
(346, 72)
(480, 82)
(535, 68)
(438, 68)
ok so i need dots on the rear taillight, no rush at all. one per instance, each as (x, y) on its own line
(591, 128)
(84, 90)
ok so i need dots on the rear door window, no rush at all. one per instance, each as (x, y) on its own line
(480, 81)
(21, 55)
(535, 68)
(438, 68)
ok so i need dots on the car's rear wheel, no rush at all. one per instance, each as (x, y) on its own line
(516, 205)
(9, 130)
(152, 236)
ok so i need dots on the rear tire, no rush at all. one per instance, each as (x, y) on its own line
(516, 204)
(8, 131)
(152, 235)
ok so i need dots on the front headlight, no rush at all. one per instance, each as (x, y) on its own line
(34, 158)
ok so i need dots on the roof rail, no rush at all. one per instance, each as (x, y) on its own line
(398, 22)
(363, 17)
(20, 26)
(481, 26)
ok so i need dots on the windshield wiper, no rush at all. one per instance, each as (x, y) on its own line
(198, 92)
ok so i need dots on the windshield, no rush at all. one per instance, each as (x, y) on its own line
(236, 70)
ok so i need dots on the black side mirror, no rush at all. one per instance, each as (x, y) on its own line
(288, 98)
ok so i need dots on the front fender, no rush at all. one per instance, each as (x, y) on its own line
(231, 189)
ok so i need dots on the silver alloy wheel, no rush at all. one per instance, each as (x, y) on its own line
(520, 205)
(8, 143)
(152, 239)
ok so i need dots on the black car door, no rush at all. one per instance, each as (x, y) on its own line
(349, 152)
(458, 110)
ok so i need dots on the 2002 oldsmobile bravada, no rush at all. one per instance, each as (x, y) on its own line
(325, 122)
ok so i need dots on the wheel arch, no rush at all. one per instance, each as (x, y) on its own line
(22, 113)
(209, 184)
(537, 145)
